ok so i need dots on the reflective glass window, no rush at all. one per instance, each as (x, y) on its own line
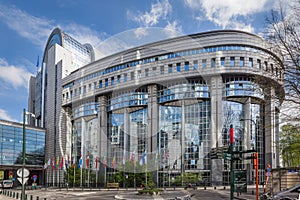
(242, 61)
(222, 61)
(204, 63)
(178, 67)
(213, 62)
(232, 61)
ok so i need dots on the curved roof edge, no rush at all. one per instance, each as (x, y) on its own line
(56, 37)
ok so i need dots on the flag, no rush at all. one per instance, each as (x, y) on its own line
(38, 61)
(67, 162)
(167, 155)
(104, 161)
(52, 164)
(124, 158)
(132, 157)
(96, 162)
(74, 162)
(174, 164)
(61, 164)
(45, 166)
(57, 162)
(80, 162)
(87, 161)
(143, 160)
(113, 162)
(49, 162)
(156, 158)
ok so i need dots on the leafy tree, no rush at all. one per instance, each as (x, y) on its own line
(187, 177)
(284, 32)
(290, 145)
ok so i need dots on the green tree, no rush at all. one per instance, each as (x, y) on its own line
(188, 177)
(289, 144)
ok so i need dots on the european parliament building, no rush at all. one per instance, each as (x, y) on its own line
(169, 103)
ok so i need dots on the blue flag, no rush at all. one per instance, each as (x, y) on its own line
(143, 160)
(80, 162)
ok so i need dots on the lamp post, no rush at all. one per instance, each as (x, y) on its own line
(255, 158)
(24, 151)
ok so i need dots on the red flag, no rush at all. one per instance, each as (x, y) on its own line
(61, 163)
(104, 161)
(52, 164)
(96, 161)
(87, 161)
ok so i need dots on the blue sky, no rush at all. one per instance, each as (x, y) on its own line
(118, 24)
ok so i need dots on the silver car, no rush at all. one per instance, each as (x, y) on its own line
(289, 194)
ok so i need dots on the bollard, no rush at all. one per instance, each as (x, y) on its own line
(14, 194)
(31, 197)
(37, 198)
(17, 196)
(215, 187)
(204, 187)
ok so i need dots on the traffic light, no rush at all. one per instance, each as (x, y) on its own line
(231, 131)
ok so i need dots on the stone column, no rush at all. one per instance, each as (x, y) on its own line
(103, 140)
(216, 84)
(152, 119)
(270, 128)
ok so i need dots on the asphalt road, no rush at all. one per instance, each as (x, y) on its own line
(78, 194)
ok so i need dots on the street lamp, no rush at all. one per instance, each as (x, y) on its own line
(255, 158)
(24, 150)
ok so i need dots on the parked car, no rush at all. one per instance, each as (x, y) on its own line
(289, 194)
(7, 184)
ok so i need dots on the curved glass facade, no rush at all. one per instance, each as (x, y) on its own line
(178, 91)
(242, 86)
(178, 106)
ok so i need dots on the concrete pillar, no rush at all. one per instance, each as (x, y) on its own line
(270, 128)
(216, 83)
(103, 140)
(152, 119)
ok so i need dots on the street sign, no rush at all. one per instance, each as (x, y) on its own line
(240, 181)
(26, 172)
(23, 181)
(227, 156)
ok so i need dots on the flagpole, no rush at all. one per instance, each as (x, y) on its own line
(74, 176)
(96, 161)
(81, 177)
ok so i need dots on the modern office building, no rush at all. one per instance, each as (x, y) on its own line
(172, 100)
(62, 55)
(11, 136)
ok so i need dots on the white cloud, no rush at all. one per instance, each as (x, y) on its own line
(5, 116)
(230, 13)
(141, 32)
(159, 14)
(13, 75)
(33, 28)
(159, 10)
(173, 29)
(82, 33)
(37, 30)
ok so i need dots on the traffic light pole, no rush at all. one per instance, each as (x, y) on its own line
(231, 173)
(231, 162)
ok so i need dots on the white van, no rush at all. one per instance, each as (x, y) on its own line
(7, 184)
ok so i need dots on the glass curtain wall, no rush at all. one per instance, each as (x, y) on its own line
(192, 122)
